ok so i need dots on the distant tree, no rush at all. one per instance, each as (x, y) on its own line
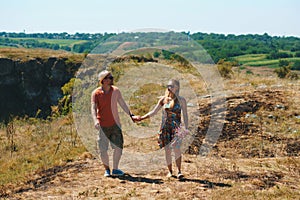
(296, 65)
(283, 63)
(156, 54)
(297, 54)
(55, 47)
(66, 48)
(277, 55)
(166, 54)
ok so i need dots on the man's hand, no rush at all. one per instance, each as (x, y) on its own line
(97, 125)
(136, 118)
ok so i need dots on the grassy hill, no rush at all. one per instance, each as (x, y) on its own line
(256, 156)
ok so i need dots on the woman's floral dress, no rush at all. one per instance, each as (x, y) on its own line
(171, 120)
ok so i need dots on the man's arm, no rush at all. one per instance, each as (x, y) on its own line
(94, 111)
(124, 106)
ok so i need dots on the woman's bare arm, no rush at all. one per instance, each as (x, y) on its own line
(155, 109)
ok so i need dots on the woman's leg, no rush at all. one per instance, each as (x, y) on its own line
(168, 158)
(177, 153)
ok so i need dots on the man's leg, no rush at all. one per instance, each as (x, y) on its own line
(105, 159)
(103, 147)
(117, 142)
(116, 157)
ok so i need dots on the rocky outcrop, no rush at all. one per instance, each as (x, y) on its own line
(29, 86)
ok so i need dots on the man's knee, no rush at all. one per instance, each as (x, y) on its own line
(103, 152)
(118, 150)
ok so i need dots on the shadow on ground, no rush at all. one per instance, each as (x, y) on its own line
(128, 177)
(205, 183)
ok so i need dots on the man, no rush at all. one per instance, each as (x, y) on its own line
(104, 110)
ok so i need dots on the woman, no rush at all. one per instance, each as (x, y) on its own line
(172, 105)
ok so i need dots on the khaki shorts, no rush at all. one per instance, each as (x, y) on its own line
(112, 134)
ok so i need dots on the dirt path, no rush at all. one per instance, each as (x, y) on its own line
(205, 178)
(84, 178)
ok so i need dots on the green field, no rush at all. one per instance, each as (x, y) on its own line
(60, 42)
(258, 60)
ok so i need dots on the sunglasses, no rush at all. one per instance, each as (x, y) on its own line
(170, 86)
(109, 77)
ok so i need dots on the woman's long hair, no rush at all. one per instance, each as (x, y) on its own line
(172, 98)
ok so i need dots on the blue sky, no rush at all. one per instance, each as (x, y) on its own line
(275, 17)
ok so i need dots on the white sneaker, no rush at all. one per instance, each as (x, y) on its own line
(107, 173)
(179, 175)
(169, 174)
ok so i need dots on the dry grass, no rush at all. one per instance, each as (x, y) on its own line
(35, 145)
(256, 156)
(24, 54)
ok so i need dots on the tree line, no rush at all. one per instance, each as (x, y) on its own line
(219, 46)
(64, 35)
(90, 41)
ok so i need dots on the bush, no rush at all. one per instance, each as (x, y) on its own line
(65, 103)
(296, 65)
(225, 68)
(282, 72)
(277, 55)
(156, 54)
(167, 54)
(297, 54)
(292, 76)
(283, 63)
(249, 72)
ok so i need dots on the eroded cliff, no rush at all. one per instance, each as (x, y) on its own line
(32, 85)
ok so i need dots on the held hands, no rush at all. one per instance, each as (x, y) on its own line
(136, 118)
(139, 118)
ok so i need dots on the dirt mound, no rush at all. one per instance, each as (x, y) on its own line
(249, 119)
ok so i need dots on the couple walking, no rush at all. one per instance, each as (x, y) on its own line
(104, 111)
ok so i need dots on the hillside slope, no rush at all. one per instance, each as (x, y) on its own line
(256, 156)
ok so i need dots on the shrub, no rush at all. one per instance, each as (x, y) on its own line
(297, 54)
(292, 76)
(65, 103)
(283, 63)
(296, 65)
(225, 68)
(282, 72)
(156, 54)
(167, 54)
(277, 55)
(249, 72)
